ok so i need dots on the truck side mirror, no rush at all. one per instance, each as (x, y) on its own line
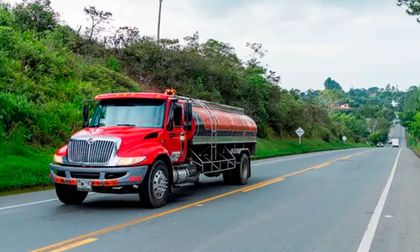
(85, 115)
(188, 116)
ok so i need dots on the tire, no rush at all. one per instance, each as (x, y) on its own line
(69, 194)
(154, 191)
(241, 173)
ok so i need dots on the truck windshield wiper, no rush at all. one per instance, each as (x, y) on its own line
(126, 124)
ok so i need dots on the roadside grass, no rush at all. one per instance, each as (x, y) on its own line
(413, 145)
(267, 148)
(24, 168)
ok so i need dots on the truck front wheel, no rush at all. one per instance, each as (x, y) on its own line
(69, 194)
(154, 191)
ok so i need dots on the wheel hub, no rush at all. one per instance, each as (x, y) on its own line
(160, 184)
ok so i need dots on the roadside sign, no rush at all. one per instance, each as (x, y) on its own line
(300, 133)
(344, 138)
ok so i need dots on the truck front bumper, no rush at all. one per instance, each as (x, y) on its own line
(99, 176)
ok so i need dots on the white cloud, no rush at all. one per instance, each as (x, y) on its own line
(358, 43)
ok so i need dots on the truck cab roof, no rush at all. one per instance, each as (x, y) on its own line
(132, 95)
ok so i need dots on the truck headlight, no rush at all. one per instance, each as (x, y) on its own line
(58, 159)
(126, 161)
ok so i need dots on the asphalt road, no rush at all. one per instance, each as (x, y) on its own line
(347, 200)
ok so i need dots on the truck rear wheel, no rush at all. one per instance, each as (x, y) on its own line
(69, 194)
(154, 190)
(240, 174)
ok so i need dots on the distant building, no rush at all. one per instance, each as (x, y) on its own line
(343, 106)
(394, 103)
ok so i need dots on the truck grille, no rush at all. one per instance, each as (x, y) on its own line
(90, 152)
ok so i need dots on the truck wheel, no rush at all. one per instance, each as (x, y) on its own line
(154, 190)
(69, 194)
(241, 173)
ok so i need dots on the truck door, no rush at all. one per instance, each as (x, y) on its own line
(175, 133)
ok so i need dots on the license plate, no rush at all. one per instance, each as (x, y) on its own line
(84, 185)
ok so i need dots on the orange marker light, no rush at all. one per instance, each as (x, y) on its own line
(111, 182)
(59, 180)
(135, 178)
(96, 183)
(72, 182)
(170, 91)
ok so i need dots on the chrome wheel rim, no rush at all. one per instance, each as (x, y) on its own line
(160, 184)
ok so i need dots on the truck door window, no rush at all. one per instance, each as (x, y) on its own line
(177, 115)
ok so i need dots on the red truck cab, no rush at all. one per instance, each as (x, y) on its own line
(149, 143)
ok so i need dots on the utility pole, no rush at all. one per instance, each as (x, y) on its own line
(158, 28)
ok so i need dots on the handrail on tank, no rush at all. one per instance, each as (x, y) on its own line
(215, 105)
(214, 122)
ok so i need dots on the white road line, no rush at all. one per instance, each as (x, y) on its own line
(34, 203)
(28, 204)
(367, 239)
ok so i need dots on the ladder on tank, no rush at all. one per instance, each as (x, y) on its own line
(213, 130)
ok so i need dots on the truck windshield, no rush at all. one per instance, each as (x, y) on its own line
(136, 113)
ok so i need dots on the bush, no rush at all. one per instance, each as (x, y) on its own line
(6, 18)
(325, 134)
(15, 112)
(415, 127)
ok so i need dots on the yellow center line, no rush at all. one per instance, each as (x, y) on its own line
(89, 237)
(298, 172)
(259, 185)
(74, 245)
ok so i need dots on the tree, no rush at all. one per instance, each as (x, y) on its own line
(332, 84)
(123, 37)
(6, 18)
(410, 117)
(257, 52)
(373, 90)
(329, 99)
(37, 16)
(97, 19)
(415, 127)
(413, 7)
(214, 48)
(193, 41)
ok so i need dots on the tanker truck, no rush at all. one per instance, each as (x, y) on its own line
(151, 143)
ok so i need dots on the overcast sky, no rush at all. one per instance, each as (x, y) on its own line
(359, 43)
